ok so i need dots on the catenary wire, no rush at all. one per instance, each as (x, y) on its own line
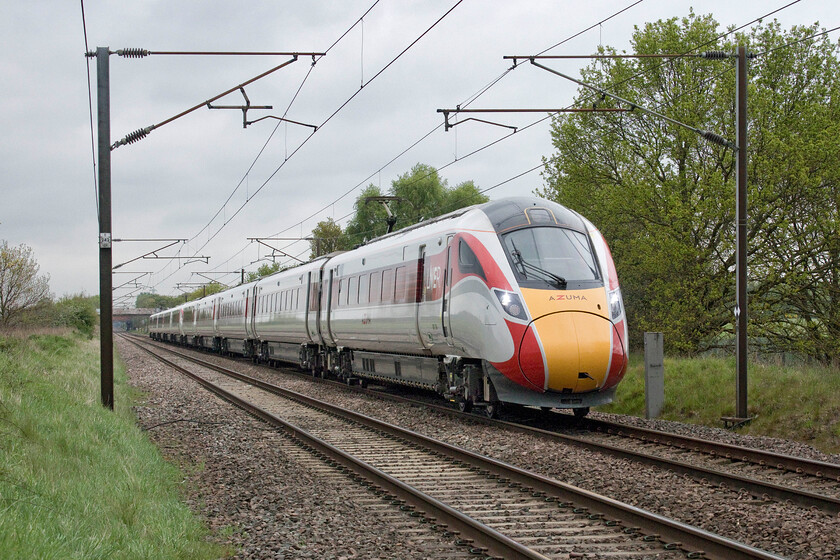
(330, 117)
(465, 103)
(469, 100)
(727, 70)
(90, 110)
(265, 144)
(547, 117)
(285, 113)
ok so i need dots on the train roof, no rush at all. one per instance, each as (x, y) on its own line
(509, 213)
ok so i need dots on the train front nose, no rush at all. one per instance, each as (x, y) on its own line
(567, 351)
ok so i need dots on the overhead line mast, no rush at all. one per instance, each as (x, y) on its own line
(103, 86)
(141, 133)
(739, 147)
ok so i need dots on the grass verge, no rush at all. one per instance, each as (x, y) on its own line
(793, 402)
(77, 480)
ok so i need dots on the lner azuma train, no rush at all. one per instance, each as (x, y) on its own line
(513, 301)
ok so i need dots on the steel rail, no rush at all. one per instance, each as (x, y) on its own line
(758, 488)
(673, 534)
(736, 452)
(495, 542)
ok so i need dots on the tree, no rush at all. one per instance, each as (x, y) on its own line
(664, 197)
(263, 270)
(206, 290)
(797, 171)
(422, 193)
(21, 287)
(368, 219)
(327, 237)
(156, 301)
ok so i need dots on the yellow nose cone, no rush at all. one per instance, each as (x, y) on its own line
(576, 348)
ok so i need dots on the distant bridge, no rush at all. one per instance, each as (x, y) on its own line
(129, 319)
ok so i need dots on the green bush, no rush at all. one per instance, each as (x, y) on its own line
(77, 312)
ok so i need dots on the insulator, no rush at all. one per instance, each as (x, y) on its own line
(714, 55)
(135, 136)
(716, 138)
(133, 53)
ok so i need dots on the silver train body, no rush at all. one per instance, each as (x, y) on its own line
(513, 301)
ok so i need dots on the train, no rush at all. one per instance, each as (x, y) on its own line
(511, 302)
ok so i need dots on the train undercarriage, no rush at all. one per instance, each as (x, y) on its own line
(468, 383)
(459, 380)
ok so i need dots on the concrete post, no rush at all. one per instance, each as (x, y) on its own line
(654, 374)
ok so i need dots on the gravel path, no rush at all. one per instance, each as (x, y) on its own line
(284, 508)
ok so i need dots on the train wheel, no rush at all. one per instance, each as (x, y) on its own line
(492, 410)
(581, 413)
(464, 405)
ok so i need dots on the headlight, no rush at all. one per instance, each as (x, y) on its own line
(616, 304)
(511, 304)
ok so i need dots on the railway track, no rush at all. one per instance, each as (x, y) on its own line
(804, 482)
(801, 481)
(492, 508)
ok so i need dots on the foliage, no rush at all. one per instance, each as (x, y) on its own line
(664, 197)
(422, 193)
(327, 237)
(368, 221)
(796, 203)
(204, 291)
(263, 270)
(78, 312)
(156, 301)
(42, 314)
(76, 479)
(21, 288)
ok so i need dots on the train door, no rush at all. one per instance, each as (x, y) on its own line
(421, 322)
(324, 310)
(445, 319)
(246, 318)
(217, 311)
(329, 293)
(251, 314)
(319, 308)
(309, 310)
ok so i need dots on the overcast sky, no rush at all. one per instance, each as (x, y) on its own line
(172, 183)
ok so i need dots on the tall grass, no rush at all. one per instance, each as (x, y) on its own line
(77, 480)
(794, 402)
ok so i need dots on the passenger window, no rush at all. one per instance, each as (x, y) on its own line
(388, 285)
(364, 281)
(375, 286)
(353, 291)
(400, 285)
